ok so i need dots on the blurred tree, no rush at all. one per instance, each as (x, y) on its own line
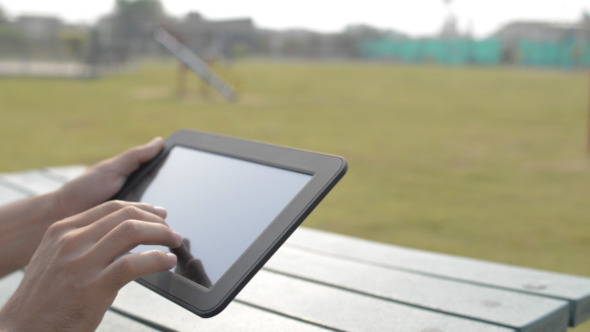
(3, 17)
(294, 47)
(12, 42)
(74, 43)
(364, 32)
(586, 25)
(239, 50)
(346, 45)
(133, 24)
(96, 52)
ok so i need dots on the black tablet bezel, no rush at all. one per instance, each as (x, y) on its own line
(326, 171)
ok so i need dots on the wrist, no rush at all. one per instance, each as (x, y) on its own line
(51, 205)
(44, 211)
(24, 224)
(57, 204)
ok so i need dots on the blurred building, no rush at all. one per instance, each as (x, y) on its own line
(514, 32)
(43, 46)
(219, 38)
(39, 28)
(546, 43)
(127, 35)
(296, 43)
(32, 36)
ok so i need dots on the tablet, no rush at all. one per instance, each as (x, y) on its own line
(234, 202)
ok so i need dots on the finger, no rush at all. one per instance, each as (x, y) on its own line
(130, 267)
(130, 160)
(106, 224)
(182, 253)
(131, 233)
(98, 212)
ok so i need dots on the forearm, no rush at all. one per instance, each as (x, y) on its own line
(22, 226)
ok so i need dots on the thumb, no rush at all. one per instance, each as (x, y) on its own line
(130, 160)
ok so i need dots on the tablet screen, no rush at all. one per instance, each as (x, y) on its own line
(219, 204)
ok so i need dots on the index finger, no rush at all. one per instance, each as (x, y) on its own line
(98, 212)
(101, 227)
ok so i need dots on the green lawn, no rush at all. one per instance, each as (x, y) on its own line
(483, 162)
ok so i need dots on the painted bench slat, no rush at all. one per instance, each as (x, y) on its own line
(32, 182)
(492, 305)
(8, 194)
(8, 285)
(115, 322)
(574, 289)
(64, 173)
(142, 302)
(348, 311)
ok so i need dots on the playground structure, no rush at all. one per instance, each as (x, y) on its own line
(193, 62)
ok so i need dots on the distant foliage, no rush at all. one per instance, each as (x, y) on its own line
(3, 18)
(12, 42)
(133, 25)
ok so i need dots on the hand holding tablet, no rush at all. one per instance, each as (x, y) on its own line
(234, 202)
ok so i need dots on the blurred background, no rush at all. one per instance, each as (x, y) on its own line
(465, 125)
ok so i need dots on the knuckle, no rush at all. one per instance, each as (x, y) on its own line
(113, 206)
(67, 241)
(131, 212)
(66, 237)
(56, 228)
(130, 229)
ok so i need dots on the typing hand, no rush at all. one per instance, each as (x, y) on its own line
(79, 266)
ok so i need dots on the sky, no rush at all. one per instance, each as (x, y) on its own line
(413, 17)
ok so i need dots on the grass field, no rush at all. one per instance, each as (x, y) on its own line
(481, 162)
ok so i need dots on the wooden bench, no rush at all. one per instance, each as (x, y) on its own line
(324, 281)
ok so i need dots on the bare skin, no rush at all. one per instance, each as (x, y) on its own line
(73, 247)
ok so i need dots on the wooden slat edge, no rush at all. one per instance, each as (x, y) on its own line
(480, 303)
(340, 309)
(573, 289)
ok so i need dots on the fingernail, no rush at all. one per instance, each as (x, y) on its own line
(162, 212)
(171, 258)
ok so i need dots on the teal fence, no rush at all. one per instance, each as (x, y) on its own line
(552, 54)
(457, 51)
(481, 52)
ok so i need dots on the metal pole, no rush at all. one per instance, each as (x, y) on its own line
(194, 63)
